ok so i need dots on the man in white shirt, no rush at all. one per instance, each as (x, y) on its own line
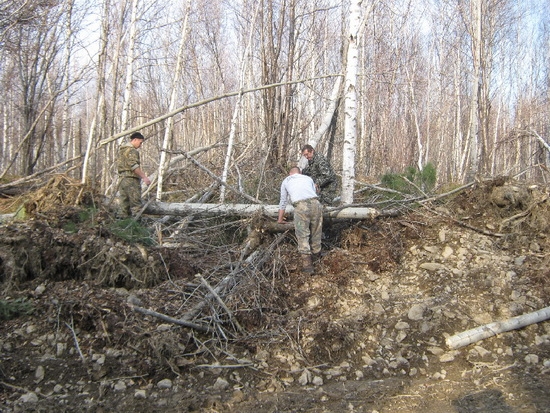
(308, 214)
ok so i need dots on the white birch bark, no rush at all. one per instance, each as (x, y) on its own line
(492, 329)
(65, 121)
(473, 132)
(172, 104)
(329, 112)
(459, 150)
(238, 106)
(129, 67)
(181, 208)
(100, 92)
(6, 143)
(350, 115)
(414, 109)
(327, 118)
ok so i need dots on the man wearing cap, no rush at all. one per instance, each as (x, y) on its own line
(308, 215)
(130, 174)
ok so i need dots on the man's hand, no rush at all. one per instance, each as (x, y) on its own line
(147, 181)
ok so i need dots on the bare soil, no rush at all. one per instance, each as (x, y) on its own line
(366, 333)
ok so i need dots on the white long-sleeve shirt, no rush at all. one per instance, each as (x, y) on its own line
(296, 187)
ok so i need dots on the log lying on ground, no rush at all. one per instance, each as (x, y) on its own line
(492, 329)
(165, 208)
(6, 218)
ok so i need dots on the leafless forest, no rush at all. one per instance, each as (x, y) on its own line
(238, 86)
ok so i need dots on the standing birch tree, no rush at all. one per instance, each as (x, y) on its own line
(97, 125)
(129, 67)
(350, 103)
(473, 142)
(172, 105)
(238, 105)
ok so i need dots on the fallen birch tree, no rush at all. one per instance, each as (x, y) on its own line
(492, 329)
(165, 208)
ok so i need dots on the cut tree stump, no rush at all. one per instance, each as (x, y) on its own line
(492, 329)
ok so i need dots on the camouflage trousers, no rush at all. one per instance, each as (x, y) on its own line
(328, 193)
(308, 225)
(129, 197)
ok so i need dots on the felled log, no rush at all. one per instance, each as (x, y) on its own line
(492, 329)
(273, 226)
(6, 218)
(166, 208)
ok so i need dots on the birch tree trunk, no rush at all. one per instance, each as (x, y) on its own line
(473, 131)
(173, 97)
(165, 208)
(63, 153)
(414, 110)
(459, 150)
(100, 93)
(238, 106)
(492, 329)
(350, 115)
(329, 112)
(129, 67)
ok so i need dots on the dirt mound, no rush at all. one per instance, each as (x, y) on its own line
(366, 333)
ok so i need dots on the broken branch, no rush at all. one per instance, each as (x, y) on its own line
(492, 329)
(171, 319)
(217, 297)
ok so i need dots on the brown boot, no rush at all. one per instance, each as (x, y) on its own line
(307, 267)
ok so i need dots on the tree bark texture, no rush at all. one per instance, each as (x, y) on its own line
(164, 208)
(492, 329)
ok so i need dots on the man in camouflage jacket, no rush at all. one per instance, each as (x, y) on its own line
(320, 170)
(130, 174)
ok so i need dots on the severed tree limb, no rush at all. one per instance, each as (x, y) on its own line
(540, 139)
(178, 321)
(464, 224)
(30, 178)
(70, 327)
(227, 310)
(273, 226)
(222, 285)
(231, 279)
(204, 102)
(177, 159)
(216, 178)
(492, 329)
(22, 389)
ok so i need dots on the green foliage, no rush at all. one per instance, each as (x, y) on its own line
(132, 231)
(21, 213)
(81, 218)
(412, 181)
(88, 214)
(428, 177)
(70, 227)
(395, 182)
(14, 308)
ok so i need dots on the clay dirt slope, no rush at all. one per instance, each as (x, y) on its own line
(365, 334)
